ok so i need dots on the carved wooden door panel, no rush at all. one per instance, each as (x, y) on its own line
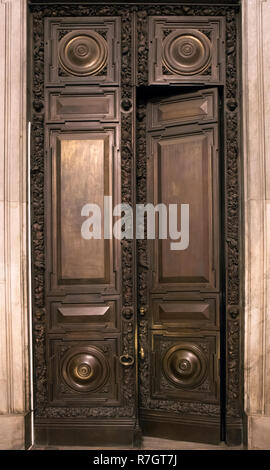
(84, 316)
(179, 290)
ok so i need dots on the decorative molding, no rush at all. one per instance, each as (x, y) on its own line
(84, 52)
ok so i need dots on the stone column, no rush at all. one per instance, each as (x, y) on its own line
(256, 158)
(14, 358)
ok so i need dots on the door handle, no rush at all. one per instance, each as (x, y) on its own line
(142, 311)
(142, 354)
(126, 360)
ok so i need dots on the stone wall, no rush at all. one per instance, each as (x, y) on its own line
(14, 388)
(256, 161)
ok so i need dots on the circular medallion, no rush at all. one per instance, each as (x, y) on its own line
(186, 52)
(185, 365)
(83, 53)
(85, 369)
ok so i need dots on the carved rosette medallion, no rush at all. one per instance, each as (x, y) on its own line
(85, 369)
(186, 52)
(185, 365)
(84, 53)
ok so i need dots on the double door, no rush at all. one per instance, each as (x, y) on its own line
(127, 216)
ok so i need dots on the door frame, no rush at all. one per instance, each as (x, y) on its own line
(233, 249)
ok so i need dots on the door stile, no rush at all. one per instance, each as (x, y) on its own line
(138, 431)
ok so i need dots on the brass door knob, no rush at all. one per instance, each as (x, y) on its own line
(126, 360)
(142, 354)
(142, 311)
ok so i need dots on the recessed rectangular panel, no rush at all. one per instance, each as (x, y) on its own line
(96, 104)
(184, 110)
(82, 316)
(86, 311)
(185, 177)
(83, 167)
(195, 107)
(82, 105)
(202, 312)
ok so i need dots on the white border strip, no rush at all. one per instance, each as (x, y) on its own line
(31, 379)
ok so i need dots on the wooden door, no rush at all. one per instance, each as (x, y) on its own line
(180, 290)
(84, 299)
